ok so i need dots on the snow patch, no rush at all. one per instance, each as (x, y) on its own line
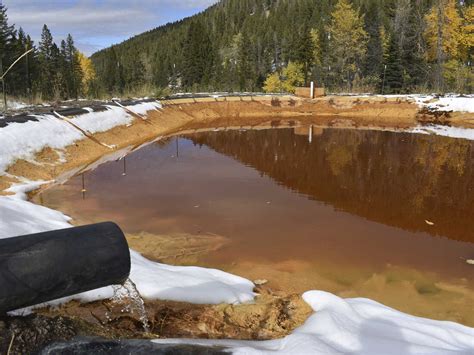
(19, 217)
(95, 122)
(24, 140)
(16, 105)
(144, 107)
(446, 103)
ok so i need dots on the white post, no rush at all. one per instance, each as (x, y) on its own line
(310, 135)
(312, 90)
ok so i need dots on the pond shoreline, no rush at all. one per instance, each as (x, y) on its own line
(182, 116)
(185, 115)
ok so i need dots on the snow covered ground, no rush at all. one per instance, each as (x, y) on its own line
(339, 326)
(24, 140)
(453, 103)
(450, 102)
(16, 105)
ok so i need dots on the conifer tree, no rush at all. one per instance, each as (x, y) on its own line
(6, 33)
(373, 26)
(64, 71)
(196, 55)
(246, 65)
(75, 74)
(304, 51)
(413, 48)
(7, 36)
(48, 57)
(393, 82)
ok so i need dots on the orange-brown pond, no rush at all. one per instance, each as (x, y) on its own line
(365, 213)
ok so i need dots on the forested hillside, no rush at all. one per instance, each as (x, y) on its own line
(394, 46)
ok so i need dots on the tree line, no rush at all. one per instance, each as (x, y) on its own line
(49, 71)
(394, 46)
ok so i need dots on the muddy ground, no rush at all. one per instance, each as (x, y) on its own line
(271, 316)
(274, 313)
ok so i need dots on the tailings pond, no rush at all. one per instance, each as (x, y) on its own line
(360, 213)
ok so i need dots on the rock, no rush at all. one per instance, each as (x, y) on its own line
(260, 282)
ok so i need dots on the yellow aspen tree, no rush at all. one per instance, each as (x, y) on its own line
(293, 76)
(347, 41)
(88, 71)
(467, 33)
(272, 83)
(443, 24)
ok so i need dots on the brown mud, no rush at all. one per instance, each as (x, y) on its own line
(271, 316)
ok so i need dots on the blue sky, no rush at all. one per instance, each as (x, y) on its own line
(96, 24)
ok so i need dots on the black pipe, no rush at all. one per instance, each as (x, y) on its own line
(46, 266)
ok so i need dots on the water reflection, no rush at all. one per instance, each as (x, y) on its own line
(396, 179)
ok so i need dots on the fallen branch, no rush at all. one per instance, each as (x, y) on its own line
(11, 344)
(132, 112)
(84, 132)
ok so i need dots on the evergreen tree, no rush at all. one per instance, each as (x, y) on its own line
(113, 81)
(48, 57)
(64, 71)
(393, 81)
(196, 55)
(373, 25)
(245, 64)
(304, 51)
(75, 74)
(6, 34)
(7, 37)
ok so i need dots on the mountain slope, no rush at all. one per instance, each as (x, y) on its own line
(235, 44)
